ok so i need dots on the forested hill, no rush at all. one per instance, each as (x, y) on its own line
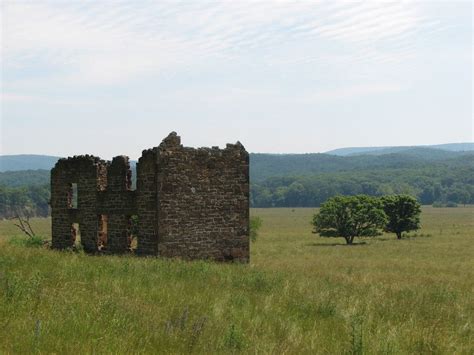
(263, 166)
(26, 162)
(308, 180)
(23, 170)
(318, 162)
(450, 147)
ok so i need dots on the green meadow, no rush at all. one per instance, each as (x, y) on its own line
(300, 294)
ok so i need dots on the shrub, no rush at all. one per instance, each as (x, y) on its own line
(234, 338)
(255, 224)
(30, 242)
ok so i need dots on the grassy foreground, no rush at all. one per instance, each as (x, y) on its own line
(300, 294)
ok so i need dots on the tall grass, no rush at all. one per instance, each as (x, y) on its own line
(300, 294)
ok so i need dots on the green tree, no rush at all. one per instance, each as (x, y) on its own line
(295, 194)
(403, 212)
(280, 196)
(350, 217)
(261, 197)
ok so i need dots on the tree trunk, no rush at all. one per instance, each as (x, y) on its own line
(349, 240)
(399, 235)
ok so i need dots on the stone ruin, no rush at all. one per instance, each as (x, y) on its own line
(188, 203)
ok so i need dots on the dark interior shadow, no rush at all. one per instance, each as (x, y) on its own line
(334, 244)
(407, 237)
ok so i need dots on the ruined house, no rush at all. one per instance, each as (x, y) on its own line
(188, 203)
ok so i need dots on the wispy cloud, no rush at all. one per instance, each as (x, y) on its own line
(296, 70)
(7, 97)
(352, 91)
(112, 43)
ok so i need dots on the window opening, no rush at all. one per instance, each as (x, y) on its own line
(72, 195)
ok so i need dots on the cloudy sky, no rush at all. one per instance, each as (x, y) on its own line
(110, 77)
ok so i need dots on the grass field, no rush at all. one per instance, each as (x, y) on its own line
(299, 294)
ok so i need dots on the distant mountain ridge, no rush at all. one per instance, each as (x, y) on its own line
(448, 147)
(32, 162)
(264, 165)
(26, 162)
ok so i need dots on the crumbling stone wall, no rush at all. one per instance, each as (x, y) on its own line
(147, 205)
(117, 203)
(88, 172)
(191, 203)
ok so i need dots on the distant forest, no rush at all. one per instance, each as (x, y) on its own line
(30, 199)
(305, 180)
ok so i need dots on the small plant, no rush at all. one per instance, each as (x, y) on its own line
(23, 223)
(357, 345)
(34, 241)
(196, 331)
(234, 338)
(255, 224)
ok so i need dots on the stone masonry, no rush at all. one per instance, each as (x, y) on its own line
(188, 203)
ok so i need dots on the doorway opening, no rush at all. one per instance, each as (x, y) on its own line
(102, 232)
(75, 236)
(132, 232)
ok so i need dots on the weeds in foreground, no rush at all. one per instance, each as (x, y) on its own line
(29, 242)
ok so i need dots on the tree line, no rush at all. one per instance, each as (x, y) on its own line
(301, 181)
(430, 185)
(32, 200)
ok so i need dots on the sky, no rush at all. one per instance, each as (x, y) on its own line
(114, 77)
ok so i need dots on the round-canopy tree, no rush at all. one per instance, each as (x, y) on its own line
(403, 212)
(350, 217)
